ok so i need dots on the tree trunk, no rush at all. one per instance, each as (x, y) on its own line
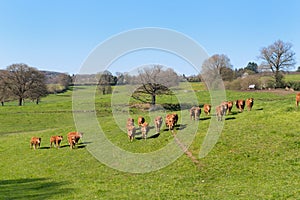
(2, 103)
(153, 100)
(20, 101)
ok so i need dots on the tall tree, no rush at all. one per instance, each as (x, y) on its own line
(24, 81)
(216, 66)
(252, 66)
(4, 89)
(278, 56)
(106, 80)
(155, 81)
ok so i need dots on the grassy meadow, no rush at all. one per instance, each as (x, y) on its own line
(257, 155)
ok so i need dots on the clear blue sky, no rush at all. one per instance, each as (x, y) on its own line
(58, 35)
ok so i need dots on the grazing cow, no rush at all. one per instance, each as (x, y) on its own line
(73, 138)
(141, 120)
(131, 132)
(249, 103)
(56, 140)
(297, 99)
(206, 109)
(240, 104)
(220, 111)
(158, 122)
(144, 130)
(195, 113)
(35, 142)
(171, 120)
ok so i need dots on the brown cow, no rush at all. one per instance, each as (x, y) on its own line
(144, 130)
(175, 118)
(35, 142)
(207, 108)
(56, 140)
(297, 99)
(228, 105)
(171, 120)
(195, 113)
(73, 138)
(141, 120)
(240, 104)
(131, 132)
(249, 103)
(158, 122)
(220, 111)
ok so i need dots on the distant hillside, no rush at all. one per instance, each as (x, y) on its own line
(52, 77)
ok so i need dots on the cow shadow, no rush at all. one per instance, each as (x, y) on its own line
(259, 109)
(230, 118)
(180, 127)
(233, 113)
(32, 188)
(204, 118)
(44, 148)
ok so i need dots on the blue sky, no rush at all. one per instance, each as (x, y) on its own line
(59, 35)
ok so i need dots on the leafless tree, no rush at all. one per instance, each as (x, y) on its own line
(4, 89)
(24, 82)
(278, 56)
(106, 80)
(155, 81)
(216, 68)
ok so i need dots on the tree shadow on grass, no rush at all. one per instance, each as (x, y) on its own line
(31, 188)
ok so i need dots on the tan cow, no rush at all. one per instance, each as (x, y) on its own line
(220, 111)
(35, 142)
(297, 99)
(141, 120)
(225, 106)
(131, 132)
(240, 104)
(158, 122)
(73, 138)
(195, 113)
(130, 122)
(56, 140)
(249, 103)
(144, 130)
(206, 109)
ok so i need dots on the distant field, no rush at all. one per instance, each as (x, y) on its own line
(292, 77)
(256, 157)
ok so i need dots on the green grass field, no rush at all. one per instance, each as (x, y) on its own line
(257, 155)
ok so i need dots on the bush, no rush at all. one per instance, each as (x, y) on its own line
(293, 84)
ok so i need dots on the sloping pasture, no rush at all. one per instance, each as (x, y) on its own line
(257, 155)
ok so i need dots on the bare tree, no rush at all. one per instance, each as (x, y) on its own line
(278, 56)
(24, 81)
(106, 80)
(155, 81)
(64, 80)
(215, 69)
(4, 89)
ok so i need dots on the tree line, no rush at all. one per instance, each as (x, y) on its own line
(20, 82)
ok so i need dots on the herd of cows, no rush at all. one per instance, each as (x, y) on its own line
(170, 121)
(73, 138)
